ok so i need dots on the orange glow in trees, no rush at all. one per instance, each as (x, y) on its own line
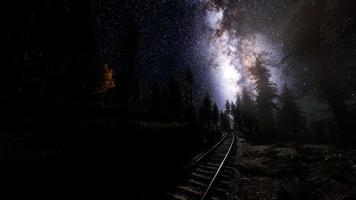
(107, 81)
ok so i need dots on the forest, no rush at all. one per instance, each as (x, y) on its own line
(79, 78)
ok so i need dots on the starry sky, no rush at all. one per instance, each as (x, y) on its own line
(218, 39)
(172, 36)
(165, 33)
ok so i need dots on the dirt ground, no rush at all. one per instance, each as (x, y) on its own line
(294, 171)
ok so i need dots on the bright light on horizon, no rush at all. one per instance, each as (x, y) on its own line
(233, 56)
(223, 50)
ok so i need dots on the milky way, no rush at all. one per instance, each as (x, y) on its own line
(233, 54)
(175, 35)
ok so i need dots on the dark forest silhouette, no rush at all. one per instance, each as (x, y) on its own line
(51, 52)
(74, 114)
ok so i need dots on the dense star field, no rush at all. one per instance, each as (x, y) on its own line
(219, 40)
(179, 99)
(168, 37)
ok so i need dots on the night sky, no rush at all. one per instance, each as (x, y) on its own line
(86, 84)
(220, 40)
(170, 33)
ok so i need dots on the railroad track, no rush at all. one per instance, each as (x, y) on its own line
(211, 176)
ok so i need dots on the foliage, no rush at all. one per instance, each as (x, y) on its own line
(266, 93)
(205, 112)
(290, 119)
(224, 122)
(174, 101)
(215, 116)
(248, 112)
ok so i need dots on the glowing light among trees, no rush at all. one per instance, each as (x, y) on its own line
(228, 75)
(224, 55)
(107, 81)
(235, 55)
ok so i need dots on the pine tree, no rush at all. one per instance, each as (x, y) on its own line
(227, 107)
(215, 116)
(232, 107)
(248, 112)
(174, 100)
(224, 122)
(236, 114)
(266, 93)
(289, 117)
(206, 110)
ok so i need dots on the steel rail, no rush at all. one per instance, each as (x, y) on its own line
(210, 150)
(200, 160)
(219, 169)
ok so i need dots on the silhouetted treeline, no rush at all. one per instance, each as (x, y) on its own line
(325, 46)
(53, 50)
(49, 48)
(212, 117)
(167, 103)
(176, 102)
(318, 59)
(262, 114)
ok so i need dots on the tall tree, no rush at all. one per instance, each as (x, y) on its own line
(232, 107)
(224, 121)
(266, 93)
(329, 85)
(215, 116)
(174, 100)
(248, 112)
(206, 110)
(236, 114)
(327, 51)
(227, 107)
(289, 118)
